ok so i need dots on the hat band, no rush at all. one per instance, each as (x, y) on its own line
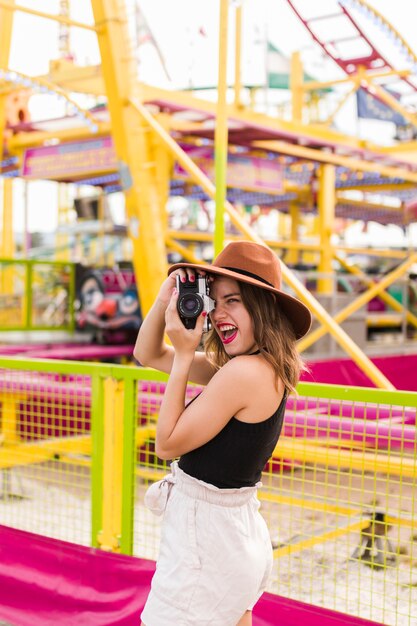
(245, 273)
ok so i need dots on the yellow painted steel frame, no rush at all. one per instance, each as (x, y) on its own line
(8, 430)
(182, 250)
(138, 163)
(383, 295)
(360, 165)
(238, 57)
(109, 537)
(296, 86)
(375, 290)
(338, 333)
(365, 205)
(6, 27)
(326, 207)
(10, 4)
(310, 132)
(6, 234)
(292, 255)
(294, 246)
(221, 130)
(132, 137)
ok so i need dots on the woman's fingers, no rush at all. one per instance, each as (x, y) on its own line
(200, 323)
(188, 274)
(172, 306)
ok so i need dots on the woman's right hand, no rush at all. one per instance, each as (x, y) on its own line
(170, 283)
(184, 340)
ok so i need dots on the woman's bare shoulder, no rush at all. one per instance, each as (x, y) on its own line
(258, 387)
(248, 369)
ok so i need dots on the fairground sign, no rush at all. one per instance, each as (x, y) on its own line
(72, 160)
(243, 171)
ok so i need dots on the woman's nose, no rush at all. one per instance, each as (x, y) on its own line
(218, 312)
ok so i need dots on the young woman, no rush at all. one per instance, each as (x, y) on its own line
(215, 555)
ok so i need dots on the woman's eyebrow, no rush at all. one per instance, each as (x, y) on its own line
(229, 295)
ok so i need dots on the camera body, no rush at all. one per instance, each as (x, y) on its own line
(193, 299)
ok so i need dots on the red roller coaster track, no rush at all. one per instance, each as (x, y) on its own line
(370, 58)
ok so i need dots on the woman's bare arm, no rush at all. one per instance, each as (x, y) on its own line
(180, 429)
(245, 383)
(151, 350)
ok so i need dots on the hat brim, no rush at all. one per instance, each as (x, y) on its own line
(296, 311)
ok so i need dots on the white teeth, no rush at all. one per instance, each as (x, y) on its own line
(227, 327)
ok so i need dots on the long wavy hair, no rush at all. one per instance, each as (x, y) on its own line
(273, 334)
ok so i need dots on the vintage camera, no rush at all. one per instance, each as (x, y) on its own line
(193, 299)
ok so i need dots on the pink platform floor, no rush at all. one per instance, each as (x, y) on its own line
(45, 582)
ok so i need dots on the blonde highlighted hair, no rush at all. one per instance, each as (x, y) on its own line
(273, 333)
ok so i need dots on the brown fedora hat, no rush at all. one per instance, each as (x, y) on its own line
(253, 263)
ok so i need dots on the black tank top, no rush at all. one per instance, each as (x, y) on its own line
(236, 456)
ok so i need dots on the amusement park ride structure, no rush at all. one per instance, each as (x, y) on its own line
(143, 134)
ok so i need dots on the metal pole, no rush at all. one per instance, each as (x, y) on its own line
(238, 56)
(221, 132)
(326, 208)
(48, 16)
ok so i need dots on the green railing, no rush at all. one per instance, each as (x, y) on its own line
(339, 494)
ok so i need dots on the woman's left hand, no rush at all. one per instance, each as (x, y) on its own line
(184, 340)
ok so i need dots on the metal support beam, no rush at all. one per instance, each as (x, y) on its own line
(383, 295)
(296, 86)
(321, 156)
(10, 6)
(326, 209)
(6, 234)
(111, 521)
(238, 57)
(319, 311)
(293, 254)
(354, 306)
(296, 245)
(132, 138)
(164, 166)
(314, 85)
(6, 27)
(221, 131)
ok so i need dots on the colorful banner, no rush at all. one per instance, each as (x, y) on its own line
(370, 107)
(243, 171)
(70, 160)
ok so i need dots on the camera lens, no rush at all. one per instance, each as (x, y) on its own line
(190, 305)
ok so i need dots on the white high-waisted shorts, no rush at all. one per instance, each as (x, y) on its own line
(215, 555)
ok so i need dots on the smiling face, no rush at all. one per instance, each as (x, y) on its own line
(230, 318)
